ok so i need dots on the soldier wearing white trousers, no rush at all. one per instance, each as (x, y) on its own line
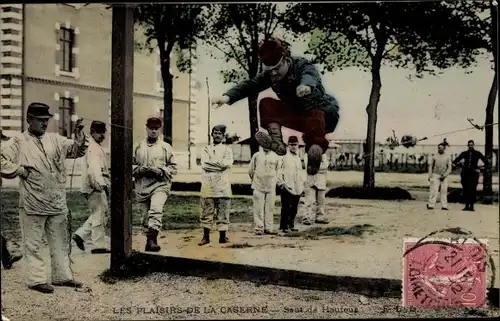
(263, 171)
(38, 159)
(95, 188)
(154, 168)
(315, 194)
(439, 168)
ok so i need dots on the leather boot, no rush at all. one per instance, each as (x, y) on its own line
(273, 141)
(7, 258)
(314, 155)
(152, 241)
(222, 237)
(206, 237)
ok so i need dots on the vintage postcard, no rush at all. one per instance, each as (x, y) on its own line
(253, 160)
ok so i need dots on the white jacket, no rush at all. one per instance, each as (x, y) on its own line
(291, 175)
(263, 170)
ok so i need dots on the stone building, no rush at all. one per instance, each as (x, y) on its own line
(60, 54)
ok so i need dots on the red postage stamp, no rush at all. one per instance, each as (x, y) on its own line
(442, 273)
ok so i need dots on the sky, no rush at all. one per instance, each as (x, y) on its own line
(427, 107)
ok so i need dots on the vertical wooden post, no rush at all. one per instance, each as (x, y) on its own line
(122, 71)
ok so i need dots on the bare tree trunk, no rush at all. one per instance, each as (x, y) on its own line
(488, 148)
(371, 110)
(254, 124)
(168, 99)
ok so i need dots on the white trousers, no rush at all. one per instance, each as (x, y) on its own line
(55, 229)
(314, 204)
(152, 210)
(435, 185)
(263, 211)
(94, 228)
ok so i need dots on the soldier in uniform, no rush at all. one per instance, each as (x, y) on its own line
(95, 188)
(303, 103)
(38, 159)
(154, 168)
(216, 162)
(470, 173)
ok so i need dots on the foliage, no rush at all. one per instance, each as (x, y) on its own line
(170, 26)
(420, 36)
(235, 30)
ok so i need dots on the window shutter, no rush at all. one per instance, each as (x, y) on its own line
(73, 56)
(59, 53)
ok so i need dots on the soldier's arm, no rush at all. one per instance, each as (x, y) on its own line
(94, 170)
(170, 168)
(482, 158)
(251, 166)
(249, 87)
(206, 164)
(448, 168)
(309, 75)
(281, 172)
(9, 156)
(227, 160)
(431, 165)
(75, 148)
(459, 158)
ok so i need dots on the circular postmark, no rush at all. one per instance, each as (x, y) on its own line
(446, 272)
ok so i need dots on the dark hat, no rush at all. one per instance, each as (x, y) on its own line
(39, 110)
(98, 126)
(154, 122)
(271, 52)
(293, 140)
(222, 128)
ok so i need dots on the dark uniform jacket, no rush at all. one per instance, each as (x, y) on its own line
(301, 72)
(471, 158)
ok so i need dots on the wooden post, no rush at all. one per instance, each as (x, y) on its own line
(122, 72)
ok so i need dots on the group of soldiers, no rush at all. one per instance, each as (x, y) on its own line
(440, 167)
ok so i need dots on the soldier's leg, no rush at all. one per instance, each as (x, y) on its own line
(155, 219)
(32, 230)
(433, 191)
(444, 193)
(258, 211)
(314, 138)
(56, 229)
(320, 206)
(84, 232)
(285, 209)
(223, 212)
(295, 200)
(207, 212)
(144, 210)
(6, 257)
(473, 189)
(99, 206)
(273, 115)
(309, 200)
(269, 213)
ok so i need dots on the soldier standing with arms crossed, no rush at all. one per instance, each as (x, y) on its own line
(470, 174)
(154, 168)
(95, 188)
(38, 159)
(263, 171)
(216, 162)
(439, 169)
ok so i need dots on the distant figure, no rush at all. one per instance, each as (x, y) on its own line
(216, 162)
(439, 169)
(315, 195)
(470, 174)
(291, 179)
(154, 168)
(263, 171)
(95, 188)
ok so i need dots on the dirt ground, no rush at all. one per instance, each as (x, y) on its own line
(164, 296)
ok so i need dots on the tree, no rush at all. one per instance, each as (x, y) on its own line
(235, 30)
(424, 36)
(231, 138)
(167, 27)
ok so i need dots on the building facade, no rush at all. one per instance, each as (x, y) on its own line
(60, 54)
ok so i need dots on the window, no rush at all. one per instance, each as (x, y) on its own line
(66, 57)
(66, 109)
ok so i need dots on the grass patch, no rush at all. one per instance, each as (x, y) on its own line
(377, 193)
(180, 212)
(317, 232)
